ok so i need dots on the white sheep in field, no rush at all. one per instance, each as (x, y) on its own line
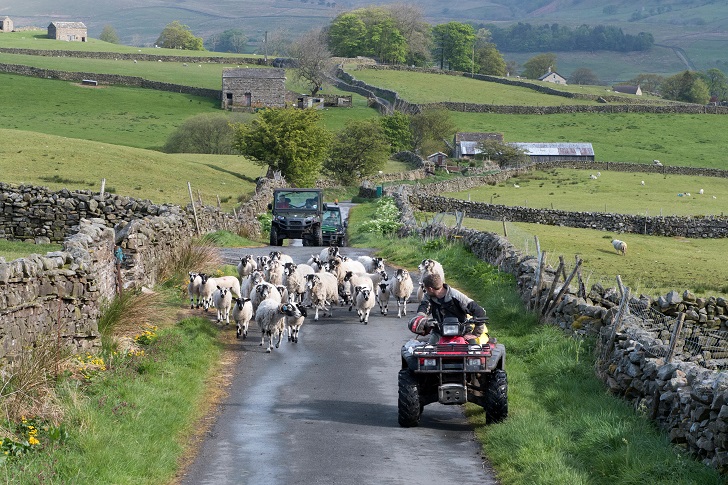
(701, 191)
(246, 266)
(223, 301)
(329, 253)
(264, 291)
(279, 256)
(323, 291)
(364, 300)
(249, 283)
(294, 278)
(274, 272)
(193, 289)
(431, 266)
(593, 177)
(371, 264)
(295, 316)
(384, 290)
(242, 315)
(402, 287)
(208, 288)
(619, 246)
(657, 163)
(270, 317)
(642, 182)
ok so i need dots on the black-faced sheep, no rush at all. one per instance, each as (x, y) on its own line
(323, 290)
(364, 302)
(242, 315)
(264, 291)
(209, 286)
(280, 257)
(193, 289)
(371, 264)
(351, 281)
(329, 253)
(619, 246)
(402, 287)
(246, 288)
(295, 315)
(294, 278)
(274, 272)
(431, 266)
(246, 266)
(384, 290)
(270, 317)
(223, 300)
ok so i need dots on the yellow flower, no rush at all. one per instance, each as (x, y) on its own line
(33, 441)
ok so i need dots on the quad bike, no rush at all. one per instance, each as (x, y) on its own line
(452, 372)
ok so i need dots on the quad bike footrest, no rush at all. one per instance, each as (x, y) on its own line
(452, 394)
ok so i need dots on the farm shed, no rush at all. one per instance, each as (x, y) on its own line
(69, 31)
(623, 88)
(6, 25)
(247, 89)
(438, 158)
(465, 144)
(553, 77)
(550, 152)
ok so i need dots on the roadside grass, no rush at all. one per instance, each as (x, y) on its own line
(57, 163)
(20, 249)
(612, 191)
(563, 425)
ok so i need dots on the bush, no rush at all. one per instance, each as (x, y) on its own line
(205, 133)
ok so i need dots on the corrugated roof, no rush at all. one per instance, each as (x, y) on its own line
(69, 25)
(555, 149)
(257, 73)
(477, 136)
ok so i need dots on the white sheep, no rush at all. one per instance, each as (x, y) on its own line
(246, 266)
(402, 287)
(284, 293)
(657, 163)
(339, 267)
(193, 289)
(371, 264)
(208, 288)
(223, 300)
(264, 291)
(261, 261)
(274, 272)
(593, 177)
(384, 290)
(295, 316)
(642, 182)
(329, 253)
(315, 262)
(242, 315)
(351, 281)
(431, 266)
(701, 191)
(620, 246)
(279, 256)
(294, 278)
(364, 303)
(270, 317)
(323, 289)
(249, 283)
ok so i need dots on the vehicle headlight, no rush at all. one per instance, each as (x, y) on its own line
(449, 329)
(474, 361)
(429, 362)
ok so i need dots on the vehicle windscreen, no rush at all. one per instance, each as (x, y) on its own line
(297, 200)
(332, 218)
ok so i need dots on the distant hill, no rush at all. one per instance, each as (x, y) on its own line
(697, 30)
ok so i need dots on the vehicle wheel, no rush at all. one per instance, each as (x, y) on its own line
(274, 241)
(318, 236)
(496, 397)
(408, 404)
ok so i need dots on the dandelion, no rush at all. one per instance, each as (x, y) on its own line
(33, 441)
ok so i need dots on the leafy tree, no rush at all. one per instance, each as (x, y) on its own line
(489, 61)
(453, 45)
(312, 58)
(204, 133)
(178, 36)
(686, 86)
(231, 40)
(648, 82)
(717, 83)
(108, 34)
(539, 65)
(583, 75)
(429, 128)
(360, 149)
(503, 154)
(288, 140)
(347, 35)
(409, 19)
(396, 128)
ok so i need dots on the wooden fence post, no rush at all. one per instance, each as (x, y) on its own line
(557, 276)
(194, 211)
(556, 301)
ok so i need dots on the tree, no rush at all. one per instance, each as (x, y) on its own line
(396, 128)
(717, 83)
(347, 35)
(429, 128)
(204, 133)
(288, 140)
(178, 36)
(108, 34)
(583, 75)
(360, 149)
(453, 45)
(686, 86)
(231, 40)
(539, 65)
(409, 19)
(503, 154)
(647, 82)
(313, 59)
(489, 61)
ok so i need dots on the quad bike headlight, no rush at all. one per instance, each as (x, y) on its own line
(429, 362)
(450, 329)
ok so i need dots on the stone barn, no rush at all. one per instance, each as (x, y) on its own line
(250, 88)
(551, 152)
(6, 25)
(70, 31)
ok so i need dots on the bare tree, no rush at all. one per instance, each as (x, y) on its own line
(313, 59)
(410, 21)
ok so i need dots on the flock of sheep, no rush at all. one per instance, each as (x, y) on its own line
(276, 292)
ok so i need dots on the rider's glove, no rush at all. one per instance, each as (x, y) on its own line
(419, 325)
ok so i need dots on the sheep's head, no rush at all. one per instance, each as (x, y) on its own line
(402, 274)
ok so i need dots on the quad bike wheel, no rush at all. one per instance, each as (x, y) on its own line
(408, 405)
(496, 396)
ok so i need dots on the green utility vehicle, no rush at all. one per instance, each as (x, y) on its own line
(333, 226)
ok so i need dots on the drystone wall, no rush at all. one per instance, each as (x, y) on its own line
(117, 56)
(685, 398)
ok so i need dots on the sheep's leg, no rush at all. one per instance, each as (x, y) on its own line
(238, 330)
(262, 338)
(245, 329)
(295, 335)
(270, 341)
(366, 316)
(399, 308)
(315, 317)
(280, 337)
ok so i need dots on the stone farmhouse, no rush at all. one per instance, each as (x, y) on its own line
(623, 88)
(465, 145)
(69, 31)
(553, 77)
(246, 89)
(6, 25)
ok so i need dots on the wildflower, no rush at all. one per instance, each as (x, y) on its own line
(33, 441)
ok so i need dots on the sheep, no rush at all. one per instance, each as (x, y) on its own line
(193, 289)
(384, 290)
(249, 283)
(642, 182)
(284, 293)
(274, 272)
(315, 262)
(294, 321)
(516, 186)
(262, 261)
(420, 291)
(294, 278)
(323, 291)
(208, 288)
(701, 191)
(431, 266)
(352, 280)
(657, 163)
(364, 303)
(402, 287)
(270, 317)
(242, 315)
(593, 177)
(246, 266)
(279, 256)
(339, 267)
(223, 300)
(371, 264)
(329, 253)
(620, 246)
(264, 291)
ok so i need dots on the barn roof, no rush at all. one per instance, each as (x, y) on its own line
(68, 25)
(556, 149)
(477, 136)
(253, 73)
(624, 88)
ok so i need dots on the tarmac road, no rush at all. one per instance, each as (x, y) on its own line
(324, 410)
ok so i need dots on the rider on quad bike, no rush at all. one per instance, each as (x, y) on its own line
(443, 301)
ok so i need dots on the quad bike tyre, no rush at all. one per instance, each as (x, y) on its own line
(496, 396)
(408, 404)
